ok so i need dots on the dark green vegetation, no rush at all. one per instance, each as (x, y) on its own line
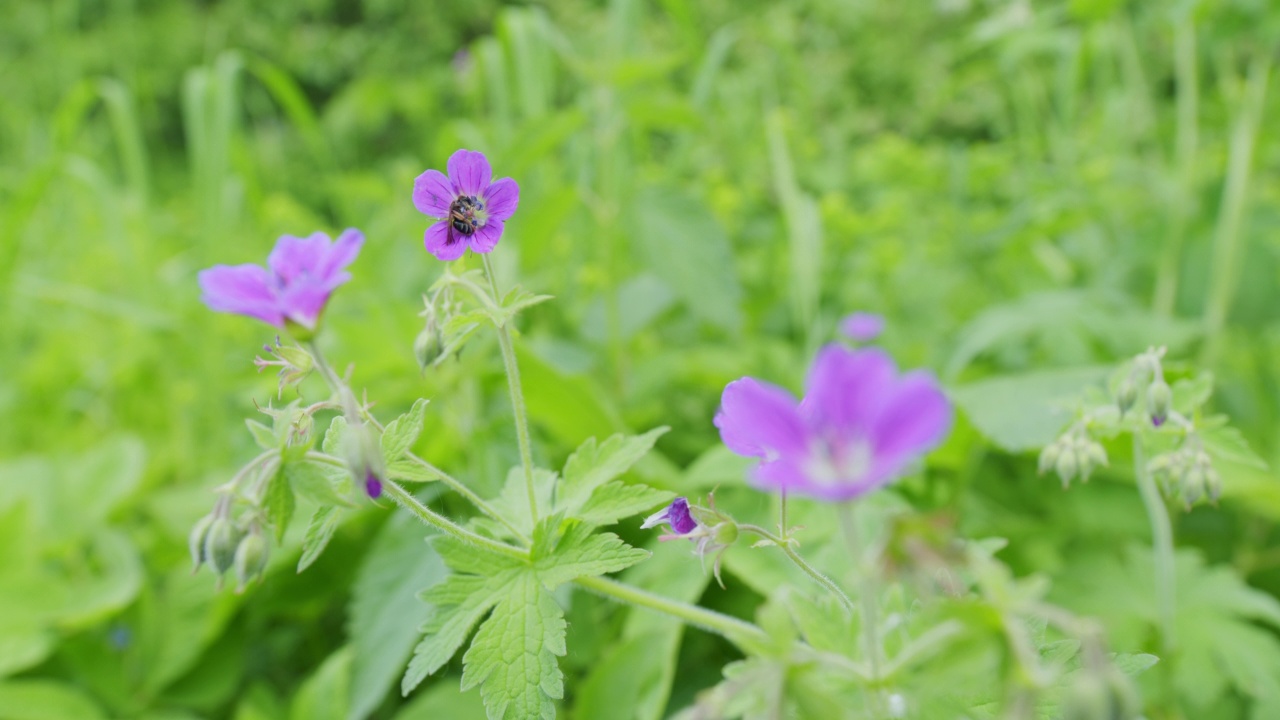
(1028, 191)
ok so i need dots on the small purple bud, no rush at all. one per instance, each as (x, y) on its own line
(1157, 421)
(862, 326)
(676, 515)
(373, 486)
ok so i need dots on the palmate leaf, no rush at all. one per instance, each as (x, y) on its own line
(401, 433)
(594, 464)
(512, 658)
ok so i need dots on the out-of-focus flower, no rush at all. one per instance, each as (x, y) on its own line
(372, 486)
(862, 326)
(858, 428)
(470, 209)
(300, 275)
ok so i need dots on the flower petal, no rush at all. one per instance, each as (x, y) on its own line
(915, 418)
(486, 238)
(501, 199)
(437, 242)
(469, 170)
(759, 420)
(293, 256)
(786, 473)
(242, 289)
(845, 391)
(340, 254)
(433, 193)
(304, 299)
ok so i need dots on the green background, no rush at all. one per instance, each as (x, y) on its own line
(1028, 191)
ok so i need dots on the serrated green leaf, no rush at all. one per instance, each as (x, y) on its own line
(410, 471)
(262, 435)
(515, 301)
(401, 433)
(461, 602)
(319, 532)
(1227, 444)
(335, 436)
(1189, 394)
(310, 481)
(594, 464)
(579, 553)
(513, 502)
(1024, 412)
(278, 500)
(1134, 664)
(513, 656)
(616, 500)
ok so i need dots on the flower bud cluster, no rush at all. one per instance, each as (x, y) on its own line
(1074, 455)
(439, 338)
(220, 542)
(1187, 473)
(711, 530)
(1146, 379)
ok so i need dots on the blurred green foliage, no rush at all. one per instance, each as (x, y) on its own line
(1029, 191)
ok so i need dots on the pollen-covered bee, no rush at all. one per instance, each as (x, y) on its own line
(462, 217)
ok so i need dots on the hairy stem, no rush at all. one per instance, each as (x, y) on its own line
(785, 545)
(740, 632)
(456, 485)
(517, 396)
(868, 596)
(406, 500)
(1162, 544)
(400, 495)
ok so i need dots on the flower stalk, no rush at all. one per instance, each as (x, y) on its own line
(517, 396)
(786, 545)
(1162, 544)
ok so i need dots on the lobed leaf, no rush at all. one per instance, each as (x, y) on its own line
(401, 433)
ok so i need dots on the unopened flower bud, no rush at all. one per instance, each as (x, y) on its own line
(1213, 485)
(1049, 457)
(220, 545)
(1126, 395)
(251, 558)
(1067, 465)
(1159, 401)
(726, 533)
(196, 540)
(428, 346)
(1192, 485)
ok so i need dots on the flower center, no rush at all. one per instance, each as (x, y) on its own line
(836, 463)
(467, 214)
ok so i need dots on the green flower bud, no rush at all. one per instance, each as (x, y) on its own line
(1096, 454)
(428, 346)
(1049, 457)
(726, 533)
(220, 545)
(1213, 485)
(300, 359)
(1192, 485)
(1126, 395)
(251, 558)
(1159, 401)
(196, 540)
(1067, 465)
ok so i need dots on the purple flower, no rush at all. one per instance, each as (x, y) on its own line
(858, 428)
(676, 515)
(471, 210)
(300, 276)
(862, 326)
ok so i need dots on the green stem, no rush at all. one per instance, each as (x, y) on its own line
(517, 396)
(406, 500)
(740, 632)
(1162, 545)
(1184, 66)
(867, 596)
(785, 545)
(340, 388)
(456, 485)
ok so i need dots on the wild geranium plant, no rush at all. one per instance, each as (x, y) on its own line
(857, 634)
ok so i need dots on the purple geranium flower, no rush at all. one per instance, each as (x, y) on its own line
(676, 515)
(300, 276)
(471, 210)
(862, 326)
(858, 428)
